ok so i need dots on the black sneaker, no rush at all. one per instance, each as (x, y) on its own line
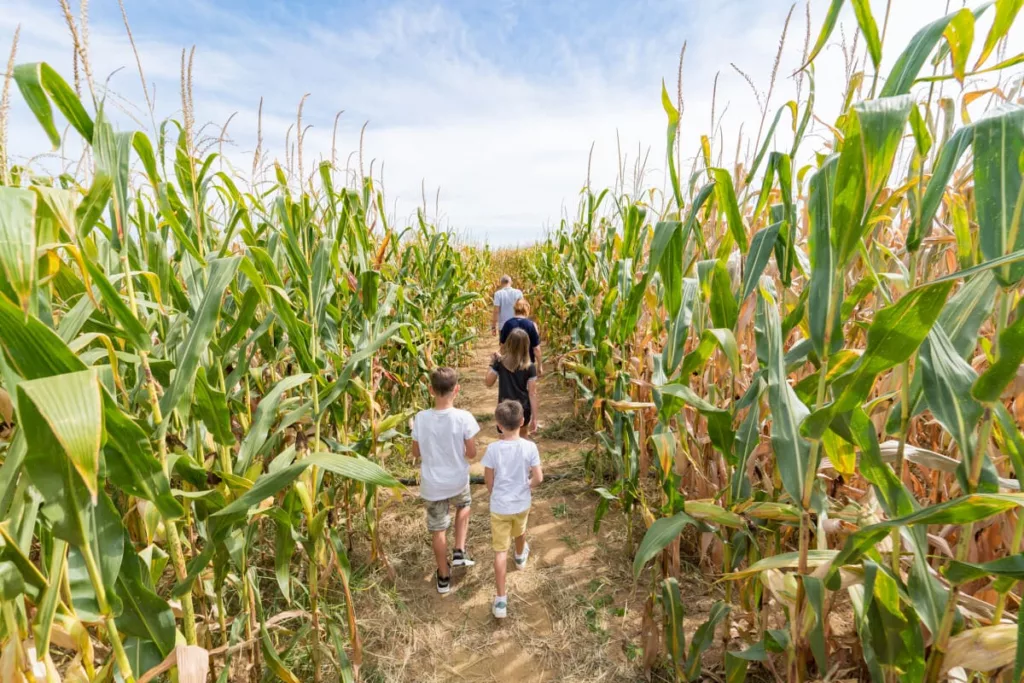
(444, 583)
(461, 559)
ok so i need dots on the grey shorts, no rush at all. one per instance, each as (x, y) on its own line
(438, 518)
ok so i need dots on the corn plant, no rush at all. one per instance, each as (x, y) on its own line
(202, 378)
(819, 366)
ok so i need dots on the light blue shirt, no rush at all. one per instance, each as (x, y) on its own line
(505, 299)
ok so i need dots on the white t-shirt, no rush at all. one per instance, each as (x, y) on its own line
(511, 461)
(442, 436)
(505, 299)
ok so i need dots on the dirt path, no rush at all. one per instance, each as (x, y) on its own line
(573, 612)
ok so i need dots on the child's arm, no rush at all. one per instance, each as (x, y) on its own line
(470, 449)
(489, 479)
(491, 377)
(415, 450)
(538, 360)
(536, 476)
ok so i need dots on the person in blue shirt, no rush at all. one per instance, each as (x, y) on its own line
(521, 320)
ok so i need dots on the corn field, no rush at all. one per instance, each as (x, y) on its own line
(815, 370)
(807, 365)
(201, 380)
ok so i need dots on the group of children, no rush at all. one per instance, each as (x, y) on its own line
(443, 441)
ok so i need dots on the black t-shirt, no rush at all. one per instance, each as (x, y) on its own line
(527, 326)
(513, 384)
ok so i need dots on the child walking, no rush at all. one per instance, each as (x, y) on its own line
(516, 376)
(442, 438)
(511, 470)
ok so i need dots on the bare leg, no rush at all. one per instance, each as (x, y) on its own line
(499, 571)
(520, 544)
(440, 544)
(461, 527)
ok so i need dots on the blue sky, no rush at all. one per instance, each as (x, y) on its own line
(495, 103)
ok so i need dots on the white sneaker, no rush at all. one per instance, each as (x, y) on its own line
(500, 608)
(520, 560)
(461, 559)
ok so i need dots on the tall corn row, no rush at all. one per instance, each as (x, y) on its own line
(817, 369)
(190, 369)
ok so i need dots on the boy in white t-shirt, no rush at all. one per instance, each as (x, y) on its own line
(442, 438)
(511, 470)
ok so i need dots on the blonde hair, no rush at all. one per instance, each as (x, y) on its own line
(516, 354)
(521, 308)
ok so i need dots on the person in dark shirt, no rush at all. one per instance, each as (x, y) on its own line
(516, 376)
(522, 321)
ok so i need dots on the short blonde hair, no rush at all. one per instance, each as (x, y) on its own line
(522, 307)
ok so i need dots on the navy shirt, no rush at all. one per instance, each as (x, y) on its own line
(526, 325)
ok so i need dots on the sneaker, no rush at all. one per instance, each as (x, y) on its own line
(461, 559)
(500, 608)
(520, 560)
(444, 583)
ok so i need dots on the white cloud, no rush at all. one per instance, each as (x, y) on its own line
(507, 144)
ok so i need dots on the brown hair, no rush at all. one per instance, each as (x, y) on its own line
(521, 308)
(516, 355)
(443, 381)
(509, 414)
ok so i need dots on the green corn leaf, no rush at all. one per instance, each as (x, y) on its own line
(947, 379)
(146, 615)
(675, 396)
(722, 303)
(212, 407)
(949, 156)
(92, 205)
(849, 194)
(735, 668)
(725, 193)
(827, 26)
(908, 64)
(868, 28)
(990, 385)
(896, 332)
(712, 338)
(791, 451)
(39, 84)
(679, 328)
(823, 266)
(816, 598)
(51, 596)
(1012, 566)
(262, 419)
(760, 249)
(703, 637)
(1006, 12)
(675, 633)
(63, 418)
(969, 508)
(18, 243)
(998, 145)
(267, 485)
(221, 272)
(105, 541)
(959, 39)
(882, 122)
(672, 131)
(659, 535)
(134, 330)
(792, 107)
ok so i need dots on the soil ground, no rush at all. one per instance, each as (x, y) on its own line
(574, 611)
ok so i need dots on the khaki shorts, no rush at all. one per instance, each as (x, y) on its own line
(438, 518)
(506, 527)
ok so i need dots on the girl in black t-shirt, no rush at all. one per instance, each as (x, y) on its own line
(516, 376)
